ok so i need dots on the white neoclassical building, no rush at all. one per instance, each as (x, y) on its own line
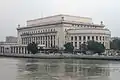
(57, 30)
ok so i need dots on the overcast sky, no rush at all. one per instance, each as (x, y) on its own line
(14, 12)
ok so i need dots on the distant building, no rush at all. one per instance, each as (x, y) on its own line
(5, 46)
(11, 39)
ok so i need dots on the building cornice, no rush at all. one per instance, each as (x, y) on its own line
(59, 22)
(38, 33)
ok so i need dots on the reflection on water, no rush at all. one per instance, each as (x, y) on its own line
(55, 69)
(64, 70)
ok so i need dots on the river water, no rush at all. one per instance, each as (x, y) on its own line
(58, 69)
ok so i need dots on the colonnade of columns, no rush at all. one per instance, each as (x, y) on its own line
(14, 49)
(47, 40)
(77, 40)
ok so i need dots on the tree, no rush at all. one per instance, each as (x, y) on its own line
(69, 47)
(32, 47)
(95, 47)
(83, 48)
(115, 44)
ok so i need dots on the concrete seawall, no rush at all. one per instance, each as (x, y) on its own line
(63, 56)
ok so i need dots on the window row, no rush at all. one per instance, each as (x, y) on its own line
(88, 38)
(78, 44)
(80, 25)
(39, 39)
(38, 31)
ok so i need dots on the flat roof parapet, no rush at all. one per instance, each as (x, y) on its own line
(59, 18)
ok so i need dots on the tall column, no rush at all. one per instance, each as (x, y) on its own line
(24, 50)
(19, 50)
(16, 50)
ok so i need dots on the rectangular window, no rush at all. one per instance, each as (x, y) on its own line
(46, 43)
(88, 37)
(71, 37)
(92, 37)
(100, 37)
(75, 37)
(54, 43)
(84, 38)
(96, 37)
(79, 37)
(75, 44)
(79, 44)
(103, 38)
(43, 38)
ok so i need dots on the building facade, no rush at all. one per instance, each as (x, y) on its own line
(55, 31)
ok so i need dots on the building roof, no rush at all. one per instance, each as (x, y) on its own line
(58, 19)
(58, 15)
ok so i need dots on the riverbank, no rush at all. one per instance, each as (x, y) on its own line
(59, 56)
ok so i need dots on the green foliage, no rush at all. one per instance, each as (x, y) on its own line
(115, 44)
(83, 48)
(69, 47)
(32, 47)
(96, 47)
